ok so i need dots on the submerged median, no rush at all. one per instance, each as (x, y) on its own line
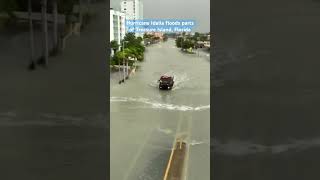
(176, 162)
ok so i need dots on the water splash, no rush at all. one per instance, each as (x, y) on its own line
(180, 79)
(165, 131)
(194, 143)
(157, 105)
(200, 108)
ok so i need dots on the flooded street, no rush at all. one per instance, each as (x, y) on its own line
(145, 121)
(266, 90)
(53, 121)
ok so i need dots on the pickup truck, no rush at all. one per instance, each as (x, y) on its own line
(166, 82)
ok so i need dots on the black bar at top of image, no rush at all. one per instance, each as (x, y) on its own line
(265, 90)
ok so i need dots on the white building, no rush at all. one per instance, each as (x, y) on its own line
(117, 26)
(127, 7)
(133, 9)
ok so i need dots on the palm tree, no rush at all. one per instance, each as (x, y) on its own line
(32, 63)
(45, 31)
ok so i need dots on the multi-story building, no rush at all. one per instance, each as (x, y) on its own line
(117, 25)
(133, 10)
(157, 34)
(128, 8)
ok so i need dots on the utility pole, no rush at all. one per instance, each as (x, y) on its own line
(124, 73)
(119, 71)
(124, 69)
(45, 31)
(127, 70)
(55, 23)
(80, 11)
(32, 63)
(122, 80)
(123, 63)
(119, 67)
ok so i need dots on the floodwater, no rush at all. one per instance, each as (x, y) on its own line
(145, 121)
(266, 90)
(53, 121)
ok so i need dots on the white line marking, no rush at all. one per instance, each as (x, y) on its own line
(135, 159)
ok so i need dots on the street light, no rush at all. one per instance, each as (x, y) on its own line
(127, 68)
(124, 72)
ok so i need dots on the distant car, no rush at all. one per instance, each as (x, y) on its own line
(166, 82)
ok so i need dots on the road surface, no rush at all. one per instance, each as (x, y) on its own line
(145, 121)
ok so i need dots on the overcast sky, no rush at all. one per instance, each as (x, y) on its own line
(198, 10)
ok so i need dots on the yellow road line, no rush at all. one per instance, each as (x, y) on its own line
(174, 145)
(168, 166)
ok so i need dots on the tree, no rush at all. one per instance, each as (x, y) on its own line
(45, 31)
(136, 53)
(130, 37)
(147, 36)
(118, 57)
(187, 44)
(179, 41)
(203, 38)
(132, 42)
(139, 39)
(114, 46)
(196, 36)
(133, 46)
(131, 53)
